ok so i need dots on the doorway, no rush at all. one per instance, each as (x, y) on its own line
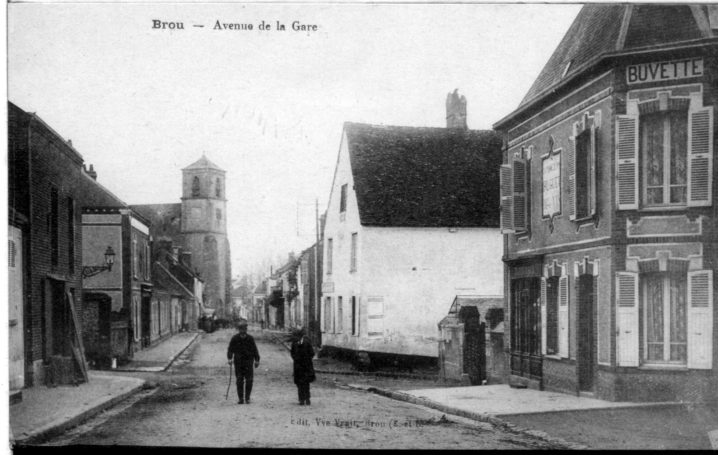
(526, 359)
(586, 346)
(60, 319)
(145, 316)
(16, 361)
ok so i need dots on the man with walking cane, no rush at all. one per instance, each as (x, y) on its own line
(243, 350)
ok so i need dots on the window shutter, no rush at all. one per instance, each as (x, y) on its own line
(544, 315)
(592, 174)
(700, 319)
(507, 199)
(627, 318)
(519, 188)
(700, 157)
(571, 174)
(627, 162)
(563, 316)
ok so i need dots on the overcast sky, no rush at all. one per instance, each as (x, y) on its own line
(267, 106)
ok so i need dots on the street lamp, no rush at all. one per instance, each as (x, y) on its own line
(92, 270)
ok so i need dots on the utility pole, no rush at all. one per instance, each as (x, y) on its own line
(317, 315)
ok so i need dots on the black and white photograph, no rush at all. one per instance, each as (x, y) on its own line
(355, 225)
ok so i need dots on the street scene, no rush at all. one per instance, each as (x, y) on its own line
(323, 227)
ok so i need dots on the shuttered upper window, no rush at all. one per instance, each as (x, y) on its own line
(515, 180)
(670, 141)
(664, 144)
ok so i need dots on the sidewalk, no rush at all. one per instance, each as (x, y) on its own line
(159, 357)
(558, 417)
(45, 412)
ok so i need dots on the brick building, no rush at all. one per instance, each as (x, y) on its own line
(43, 175)
(609, 211)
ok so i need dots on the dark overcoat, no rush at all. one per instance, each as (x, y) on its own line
(302, 354)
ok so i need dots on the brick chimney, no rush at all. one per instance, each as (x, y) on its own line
(91, 172)
(456, 110)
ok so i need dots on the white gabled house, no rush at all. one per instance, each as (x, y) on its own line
(411, 223)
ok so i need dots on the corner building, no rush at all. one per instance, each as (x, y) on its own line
(609, 212)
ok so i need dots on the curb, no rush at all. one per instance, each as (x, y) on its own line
(491, 419)
(164, 367)
(380, 374)
(361, 373)
(54, 429)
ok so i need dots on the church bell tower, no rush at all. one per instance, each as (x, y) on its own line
(204, 229)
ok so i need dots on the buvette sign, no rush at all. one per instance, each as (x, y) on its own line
(664, 71)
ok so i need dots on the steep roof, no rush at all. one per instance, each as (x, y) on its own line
(165, 219)
(261, 288)
(602, 29)
(424, 177)
(203, 163)
(94, 194)
(164, 279)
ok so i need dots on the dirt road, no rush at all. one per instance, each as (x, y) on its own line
(188, 408)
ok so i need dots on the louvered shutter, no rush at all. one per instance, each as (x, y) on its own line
(544, 315)
(507, 199)
(700, 319)
(571, 174)
(563, 299)
(627, 318)
(519, 187)
(592, 173)
(627, 162)
(700, 157)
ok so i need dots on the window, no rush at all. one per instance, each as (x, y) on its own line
(148, 261)
(340, 314)
(141, 261)
(353, 259)
(515, 198)
(664, 151)
(136, 318)
(135, 263)
(218, 213)
(53, 226)
(327, 315)
(663, 146)
(195, 187)
(355, 328)
(552, 316)
(71, 234)
(375, 316)
(581, 167)
(551, 183)
(330, 245)
(343, 199)
(668, 312)
(218, 188)
(665, 319)
(12, 253)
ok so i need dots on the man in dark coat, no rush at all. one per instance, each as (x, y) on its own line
(302, 353)
(244, 351)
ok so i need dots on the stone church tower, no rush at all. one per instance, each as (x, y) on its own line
(204, 230)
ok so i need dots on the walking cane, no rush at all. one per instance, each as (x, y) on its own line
(226, 395)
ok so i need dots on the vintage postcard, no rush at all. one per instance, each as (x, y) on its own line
(362, 225)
